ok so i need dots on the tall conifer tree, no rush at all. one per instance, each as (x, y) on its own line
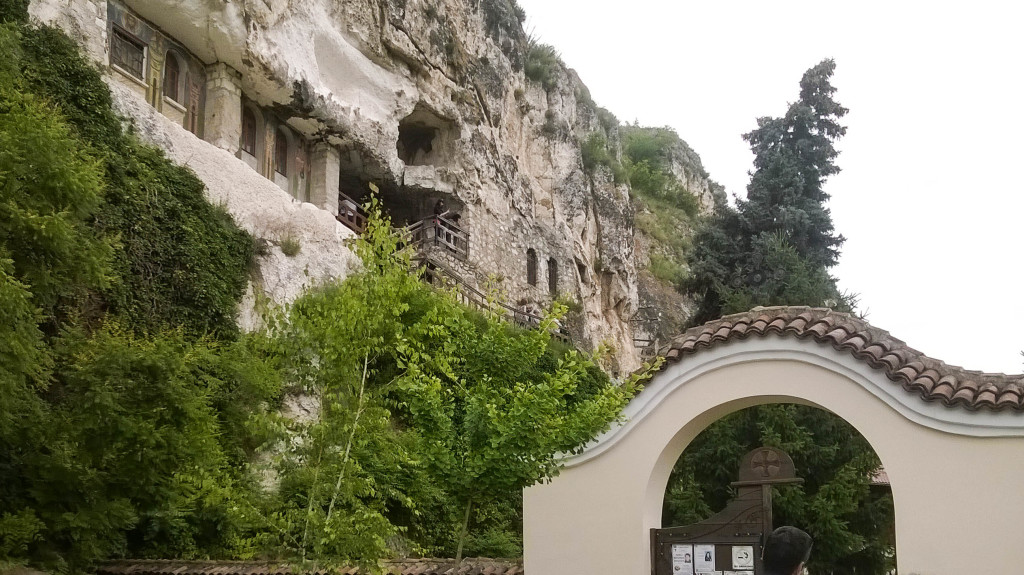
(776, 247)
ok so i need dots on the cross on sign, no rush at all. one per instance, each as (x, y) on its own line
(766, 462)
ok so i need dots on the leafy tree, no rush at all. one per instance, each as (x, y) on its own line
(337, 467)
(419, 401)
(494, 421)
(112, 441)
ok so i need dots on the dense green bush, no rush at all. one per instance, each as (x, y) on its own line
(428, 412)
(13, 11)
(503, 17)
(181, 261)
(113, 440)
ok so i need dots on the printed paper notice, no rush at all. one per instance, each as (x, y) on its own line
(682, 559)
(704, 559)
(742, 557)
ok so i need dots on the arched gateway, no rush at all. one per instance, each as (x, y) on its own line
(951, 441)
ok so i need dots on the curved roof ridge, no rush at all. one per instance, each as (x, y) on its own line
(929, 378)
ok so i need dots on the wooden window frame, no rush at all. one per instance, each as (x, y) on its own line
(281, 138)
(176, 95)
(118, 34)
(531, 267)
(249, 136)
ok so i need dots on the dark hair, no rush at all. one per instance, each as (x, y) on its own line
(785, 549)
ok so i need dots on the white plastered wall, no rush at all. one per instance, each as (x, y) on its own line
(955, 474)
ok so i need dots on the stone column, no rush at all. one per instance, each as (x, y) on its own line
(325, 174)
(223, 126)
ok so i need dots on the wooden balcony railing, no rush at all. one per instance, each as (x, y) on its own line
(351, 213)
(442, 232)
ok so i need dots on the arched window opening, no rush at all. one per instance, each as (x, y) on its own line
(553, 276)
(582, 269)
(172, 77)
(248, 132)
(281, 152)
(531, 267)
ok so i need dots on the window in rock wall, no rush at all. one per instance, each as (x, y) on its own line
(248, 132)
(172, 77)
(281, 152)
(531, 267)
(128, 54)
(553, 277)
(582, 269)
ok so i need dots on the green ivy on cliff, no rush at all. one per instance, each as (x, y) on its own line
(179, 260)
(124, 399)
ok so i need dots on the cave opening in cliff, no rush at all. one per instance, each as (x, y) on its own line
(423, 138)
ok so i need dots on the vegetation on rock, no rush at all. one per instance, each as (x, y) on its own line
(119, 285)
(136, 421)
(424, 412)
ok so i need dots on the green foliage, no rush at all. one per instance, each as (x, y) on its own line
(180, 260)
(609, 123)
(777, 245)
(112, 440)
(793, 156)
(595, 152)
(50, 187)
(649, 155)
(422, 407)
(130, 453)
(779, 276)
(290, 246)
(543, 64)
(849, 521)
(13, 11)
(667, 270)
(502, 17)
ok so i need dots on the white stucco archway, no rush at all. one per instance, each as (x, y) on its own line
(955, 472)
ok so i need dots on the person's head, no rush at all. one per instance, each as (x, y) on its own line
(786, 550)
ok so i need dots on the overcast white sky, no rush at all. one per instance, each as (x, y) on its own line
(930, 197)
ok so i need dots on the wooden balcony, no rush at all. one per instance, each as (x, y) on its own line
(351, 213)
(440, 232)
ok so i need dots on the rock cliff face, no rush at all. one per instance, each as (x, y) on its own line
(427, 99)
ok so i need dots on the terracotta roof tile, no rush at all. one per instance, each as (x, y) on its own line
(930, 379)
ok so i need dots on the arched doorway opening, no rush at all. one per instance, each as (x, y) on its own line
(939, 431)
(841, 501)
